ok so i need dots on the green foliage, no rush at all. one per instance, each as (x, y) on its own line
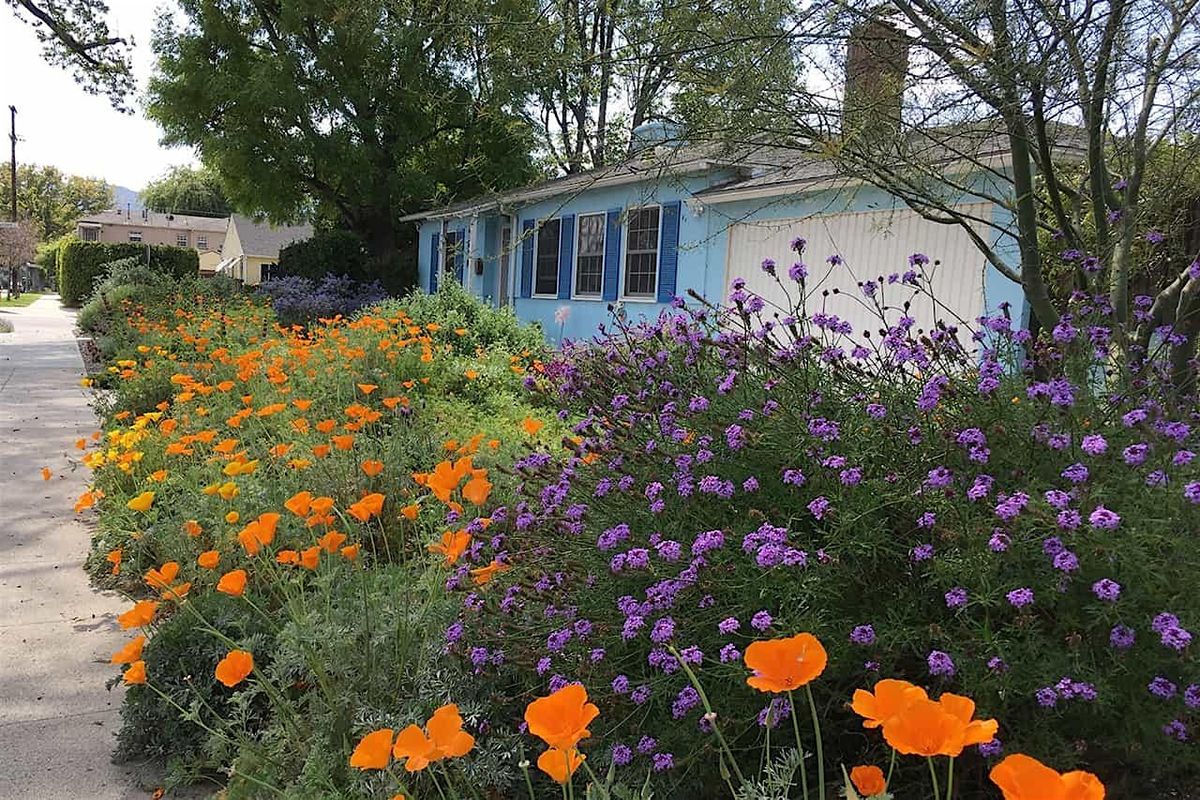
(54, 202)
(80, 264)
(486, 326)
(333, 252)
(355, 149)
(187, 190)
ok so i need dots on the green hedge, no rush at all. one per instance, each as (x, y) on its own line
(81, 263)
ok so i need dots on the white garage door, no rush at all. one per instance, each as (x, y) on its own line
(871, 244)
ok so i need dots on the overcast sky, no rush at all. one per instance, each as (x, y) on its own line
(61, 125)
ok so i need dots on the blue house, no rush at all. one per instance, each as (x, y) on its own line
(676, 218)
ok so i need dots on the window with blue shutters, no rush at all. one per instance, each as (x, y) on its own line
(545, 270)
(641, 253)
(668, 258)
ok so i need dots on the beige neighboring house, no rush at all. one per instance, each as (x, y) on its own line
(206, 235)
(252, 248)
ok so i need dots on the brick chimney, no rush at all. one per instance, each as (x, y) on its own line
(876, 66)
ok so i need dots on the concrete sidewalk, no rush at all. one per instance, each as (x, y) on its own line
(57, 721)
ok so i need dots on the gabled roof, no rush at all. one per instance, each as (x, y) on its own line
(264, 240)
(156, 219)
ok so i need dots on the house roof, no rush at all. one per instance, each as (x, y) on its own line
(156, 219)
(264, 240)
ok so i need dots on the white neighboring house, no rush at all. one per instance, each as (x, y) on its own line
(251, 249)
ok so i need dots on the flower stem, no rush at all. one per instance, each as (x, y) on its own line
(799, 747)
(891, 768)
(937, 795)
(709, 711)
(950, 779)
(812, 706)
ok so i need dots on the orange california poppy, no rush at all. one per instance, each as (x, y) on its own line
(976, 731)
(452, 545)
(192, 528)
(135, 674)
(372, 467)
(140, 615)
(114, 558)
(162, 577)
(531, 425)
(366, 388)
(1023, 778)
(233, 583)
(350, 552)
(781, 665)
(411, 511)
(442, 738)
(131, 652)
(234, 667)
(209, 559)
(299, 503)
(232, 517)
(310, 557)
(483, 575)
(925, 728)
(280, 450)
(326, 425)
(320, 450)
(560, 765)
(890, 698)
(561, 719)
(367, 507)
(374, 751)
(868, 780)
(331, 541)
(259, 532)
(47, 473)
(477, 490)
(343, 442)
(303, 405)
(287, 557)
(141, 503)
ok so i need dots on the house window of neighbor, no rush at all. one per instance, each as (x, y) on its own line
(135, 236)
(201, 242)
(91, 234)
(589, 256)
(546, 263)
(268, 272)
(641, 255)
(181, 240)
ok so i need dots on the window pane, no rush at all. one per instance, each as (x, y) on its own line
(589, 267)
(641, 255)
(589, 275)
(546, 266)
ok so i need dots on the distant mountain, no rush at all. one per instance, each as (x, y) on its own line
(123, 196)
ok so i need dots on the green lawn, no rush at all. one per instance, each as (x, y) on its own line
(26, 298)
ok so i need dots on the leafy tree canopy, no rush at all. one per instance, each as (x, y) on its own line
(54, 202)
(75, 36)
(358, 112)
(185, 190)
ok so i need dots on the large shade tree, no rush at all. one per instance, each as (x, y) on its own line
(358, 112)
(53, 201)
(187, 190)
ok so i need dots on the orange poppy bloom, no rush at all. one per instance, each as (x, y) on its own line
(928, 728)
(452, 545)
(233, 583)
(192, 528)
(372, 468)
(976, 731)
(280, 450)
(531, 425)
(303, 405)
(560, 765)
(299, 503)
(471, 374)
(343, 442)
(130, 653)
(259, 533)
(136, 674)
(287, 557)
(234, 667)
(310, 557)
(209, 559)
(47, 473)
(1023, 778)
(561, 719)
(85, 501)
(373, 751)
(477, 490)
(484, 575)
(232, 517)
(114, 558)
(366, 388)
(141, 503)
(320, 450)
(868, 780)
(161, 578)
(442, 738)
(140, 615)
(781, 665)
(890, 698)
(331, 541)
(326, 425)
(367, 507)
(411, 511)
(350, 552)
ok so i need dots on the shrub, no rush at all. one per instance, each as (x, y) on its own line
(81, 263)
(299, 300)
(485, 326)
(336, 252)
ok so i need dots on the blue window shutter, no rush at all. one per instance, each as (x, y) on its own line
(612, 254)
(527, 258)
(668, 252)
(566, 248)
(433, 262)
(460, 255)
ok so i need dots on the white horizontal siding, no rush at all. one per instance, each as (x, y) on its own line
(872, 244)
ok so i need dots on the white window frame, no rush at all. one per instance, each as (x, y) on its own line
(575, 295)
(89, 233)
(201, 242)
(537, 240)
(182, 236)
(653, 296)
(135, 236)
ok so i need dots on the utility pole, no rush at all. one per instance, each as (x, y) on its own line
(13, 165)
